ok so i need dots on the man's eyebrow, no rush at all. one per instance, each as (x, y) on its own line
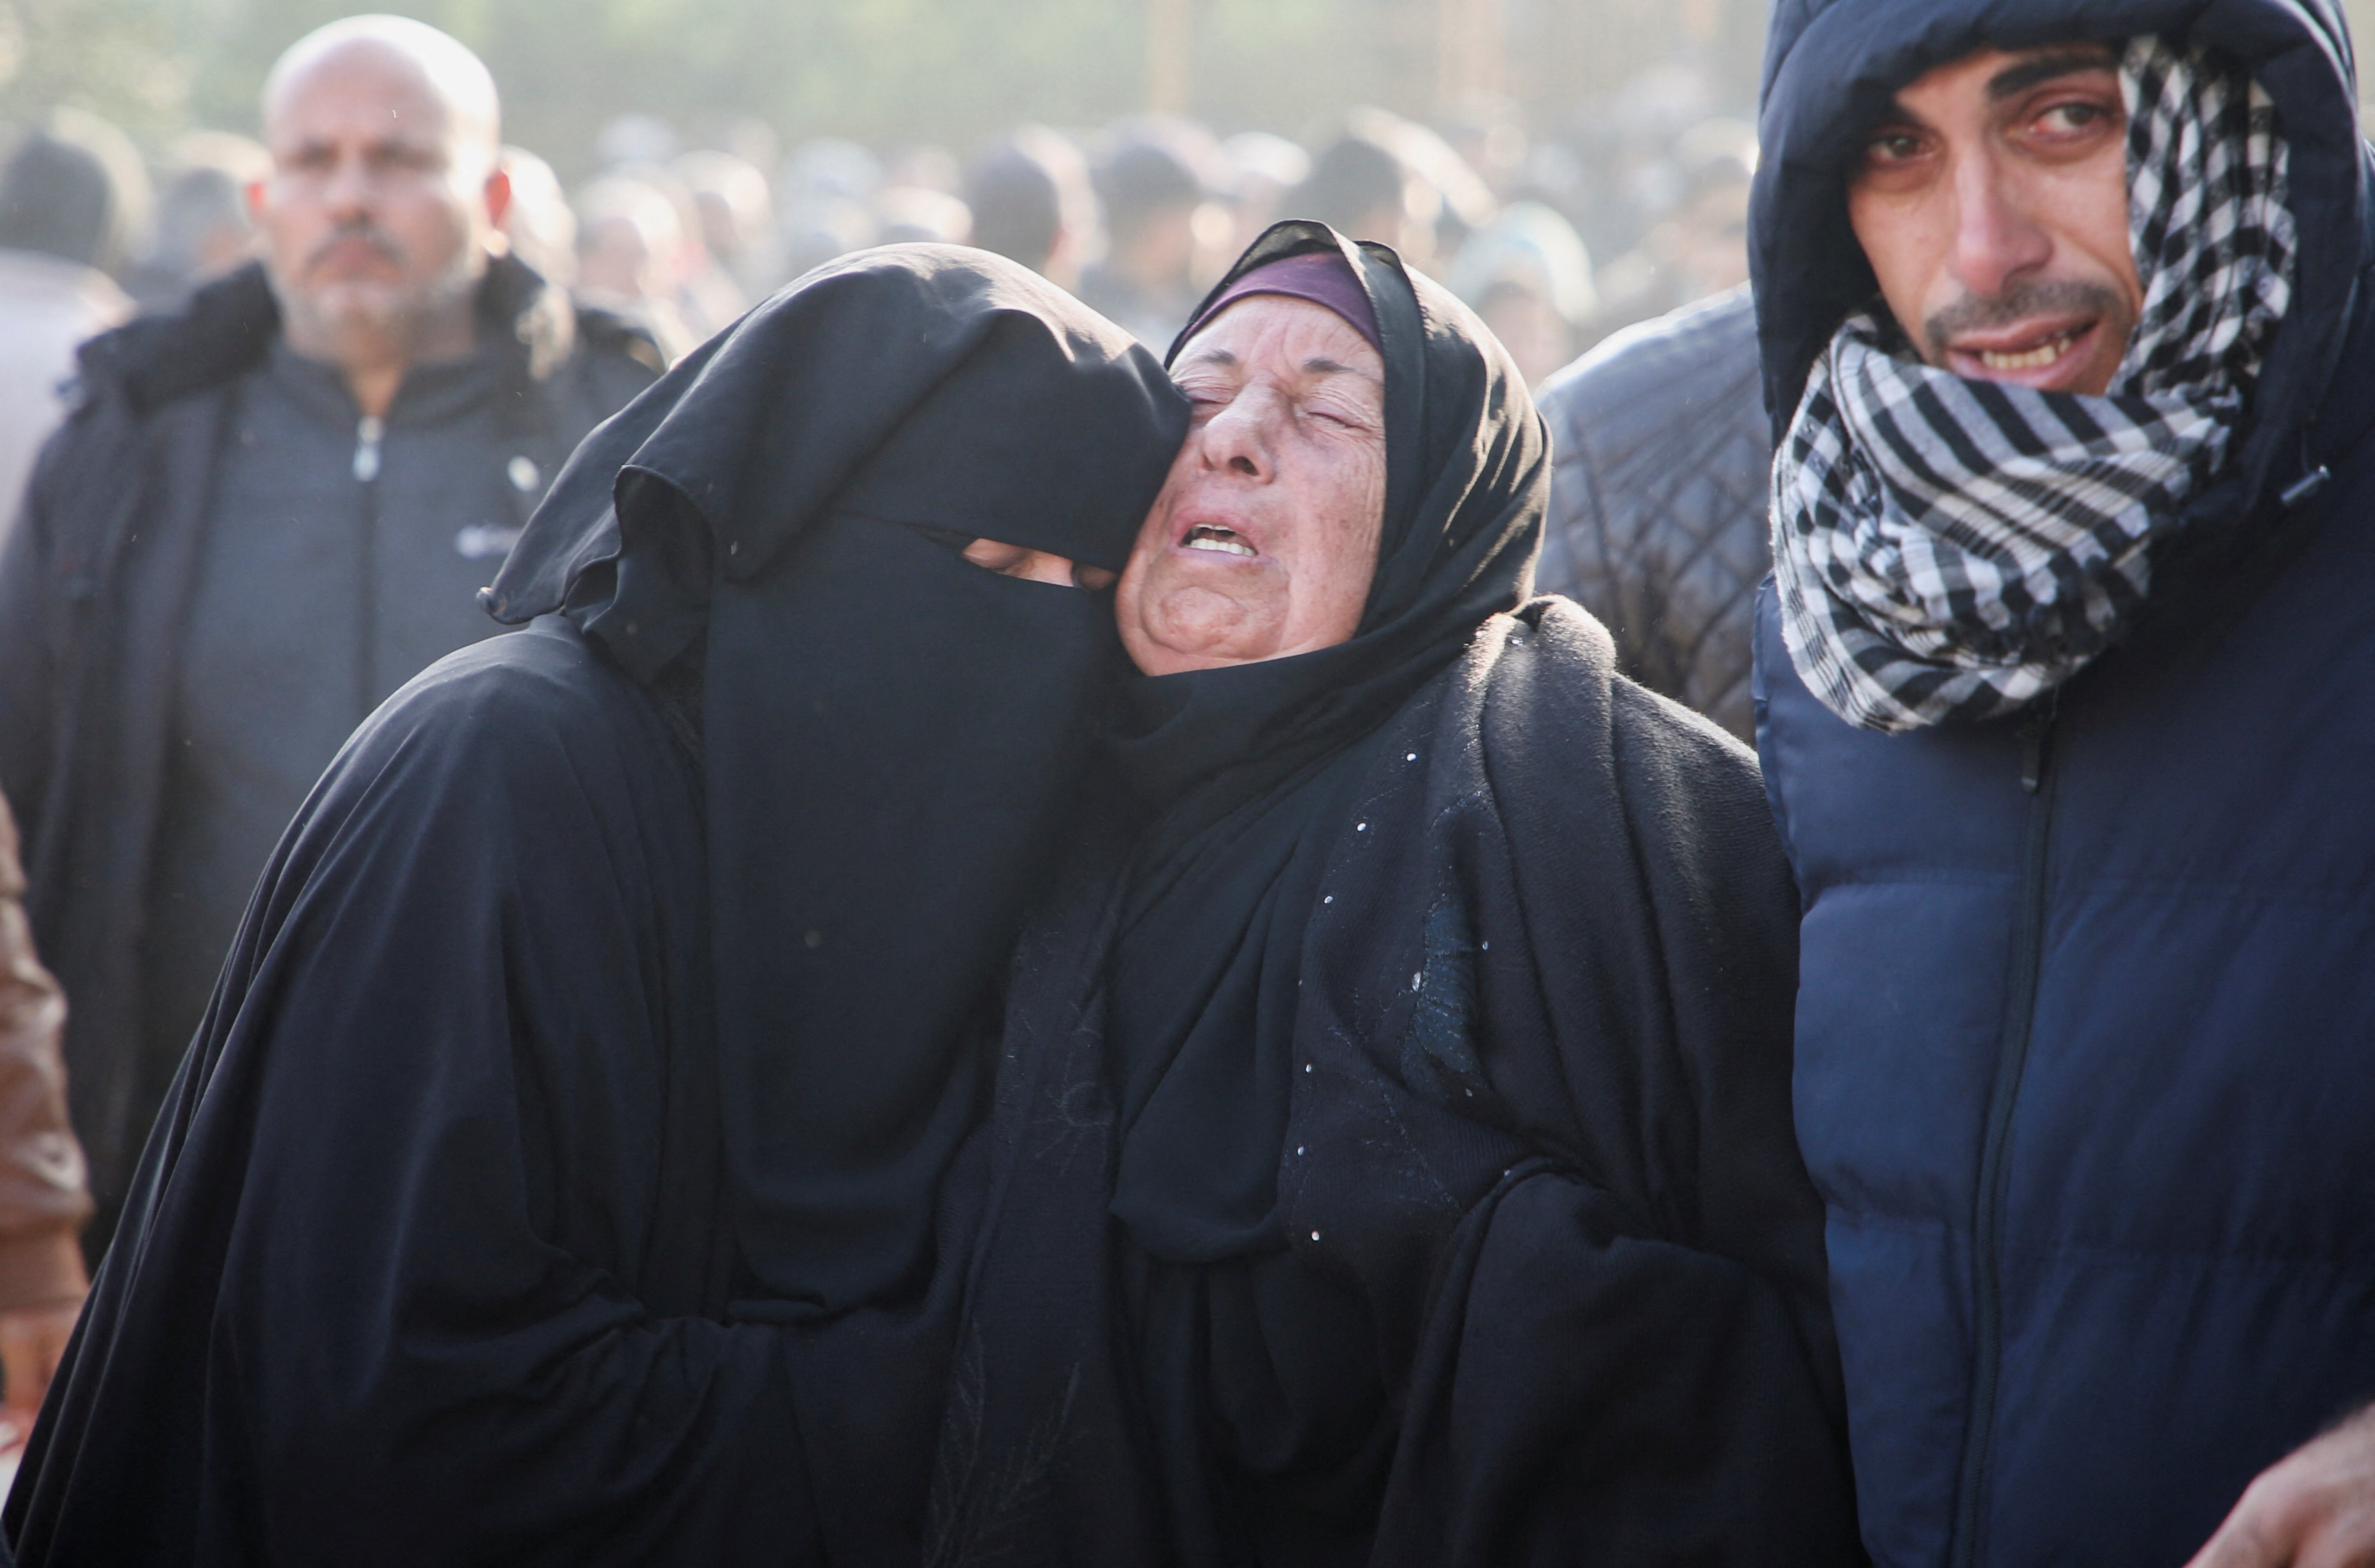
(2019, 77)
(1221, 357)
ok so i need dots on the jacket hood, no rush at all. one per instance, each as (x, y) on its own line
(225, 328)
(1833, 66)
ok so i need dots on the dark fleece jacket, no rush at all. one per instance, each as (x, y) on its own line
(94, 592)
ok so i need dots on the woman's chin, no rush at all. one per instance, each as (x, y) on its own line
(1197, 629)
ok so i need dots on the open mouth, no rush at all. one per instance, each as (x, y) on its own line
(2035, 359)
(1206, 536)
(2047, 355)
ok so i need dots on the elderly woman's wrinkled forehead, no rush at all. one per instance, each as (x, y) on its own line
(1280, 336)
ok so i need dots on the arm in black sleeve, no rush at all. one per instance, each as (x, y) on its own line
(394, 1284)
(1630, 1345)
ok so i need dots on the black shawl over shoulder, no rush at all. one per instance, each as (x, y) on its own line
(1394, 1160)
(579, 1154)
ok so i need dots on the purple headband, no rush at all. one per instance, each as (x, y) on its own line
(1324, 278)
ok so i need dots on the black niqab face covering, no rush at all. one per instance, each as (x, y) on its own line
(889, 734)
(1239, 766)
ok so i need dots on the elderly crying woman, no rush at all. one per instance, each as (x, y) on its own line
(1395, 1154)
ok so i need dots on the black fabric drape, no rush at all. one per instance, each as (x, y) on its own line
(426, 1259)
(1550, 1284)
(888, 731)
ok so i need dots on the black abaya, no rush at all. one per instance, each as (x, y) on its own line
(427, 1258)
(1550, 1282)
(580, 1157)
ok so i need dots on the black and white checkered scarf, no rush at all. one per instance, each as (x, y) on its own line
(1949, 549)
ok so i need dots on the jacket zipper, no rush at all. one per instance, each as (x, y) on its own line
(368, 431)
(2011, 1058)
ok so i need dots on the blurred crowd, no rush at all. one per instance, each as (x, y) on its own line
(1637, 206)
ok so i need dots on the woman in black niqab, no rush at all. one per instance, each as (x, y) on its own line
(579, 1160)
(1395, 1142)
(887, 732)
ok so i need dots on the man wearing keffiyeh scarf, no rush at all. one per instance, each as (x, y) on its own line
(2063, 685)
(1952, 548)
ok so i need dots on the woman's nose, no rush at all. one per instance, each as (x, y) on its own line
(1238, 438)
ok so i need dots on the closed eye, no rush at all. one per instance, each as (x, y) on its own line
(1341, 413)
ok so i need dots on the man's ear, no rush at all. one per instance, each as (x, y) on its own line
(255, 200)
(499, 196)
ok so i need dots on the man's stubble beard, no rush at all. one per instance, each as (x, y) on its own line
(2044, 297)
(352, 320)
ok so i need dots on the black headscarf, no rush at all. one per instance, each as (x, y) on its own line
(887, 732)
(1235, 765)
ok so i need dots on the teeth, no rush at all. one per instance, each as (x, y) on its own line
(2028, 359)
(1204, 537)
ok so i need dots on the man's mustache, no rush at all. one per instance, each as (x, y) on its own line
(2051, 297)
(365, 231)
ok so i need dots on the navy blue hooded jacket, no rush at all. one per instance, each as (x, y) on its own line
(2086, 1050)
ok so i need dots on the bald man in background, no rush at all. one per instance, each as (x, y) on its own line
(266, 513)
